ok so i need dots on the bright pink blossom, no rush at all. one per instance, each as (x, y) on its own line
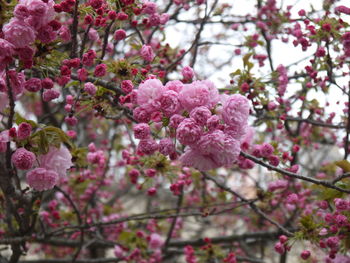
(90, 88)
(21, 11)
(149, 8)
(127, 86)
(174, 85)
(142, 114)
(198, 93)
(119, 34)
(142, 131)
(236, 110)
(169, 103)
(23, 159)
(188, 132)
(187, 73)
(46, 34)
(342, 9)
(149, 91)
(6, 53)
(156, 241)
(42, 179)
(47, 83)
(100, 70)
(146, 53)
(19, 33)
(200, 115)
(166, 146)
(213, 150)
(147, 146)
(41, 12)
(175, 120)
(266, 150)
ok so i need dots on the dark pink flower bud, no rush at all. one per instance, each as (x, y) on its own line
(120, 34)
(100, 70)
(33, 85)
(305, 254)
(187, 73)
(71, 121)
(279, 248)
(50, 95)
(47, 83)
(24, 130)
(142, 131)
(127, 86)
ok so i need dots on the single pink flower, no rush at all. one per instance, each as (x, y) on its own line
(24, 130)
(236, 110)
(42, 179)
(57, 159)
(146, 53)
(198, 93)
(188, 132)
(149, 91)
(23, 159)
(156, 241)
(19, 33)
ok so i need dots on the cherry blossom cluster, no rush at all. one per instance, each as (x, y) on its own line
(33, 20)
(210, 126)
(51, 170)
(44, 171)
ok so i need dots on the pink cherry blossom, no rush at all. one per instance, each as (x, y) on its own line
(188, 132)
(42, 179)
(57, 159)
(169, 103)
(24, 130)
(147, 53)
(198, 93)
(19, 33)
(236, 110)
(149, 91)
(23, 159)
(156, 241)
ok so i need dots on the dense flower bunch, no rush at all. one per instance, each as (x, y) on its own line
(97, 99)
(33, 20)
(210, 126)
(51, 170)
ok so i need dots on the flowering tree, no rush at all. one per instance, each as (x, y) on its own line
(117, 146)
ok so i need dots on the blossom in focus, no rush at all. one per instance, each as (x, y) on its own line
(149, 91)
(198, 93)
(213, 150)
(235, 110)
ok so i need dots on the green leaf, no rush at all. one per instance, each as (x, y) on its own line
(43, 143)
(79, 157)
(344, 164)
(19, 119)
(236, 73)
(126, 237)
(63, 137)
(246, 59)
(329, 194)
